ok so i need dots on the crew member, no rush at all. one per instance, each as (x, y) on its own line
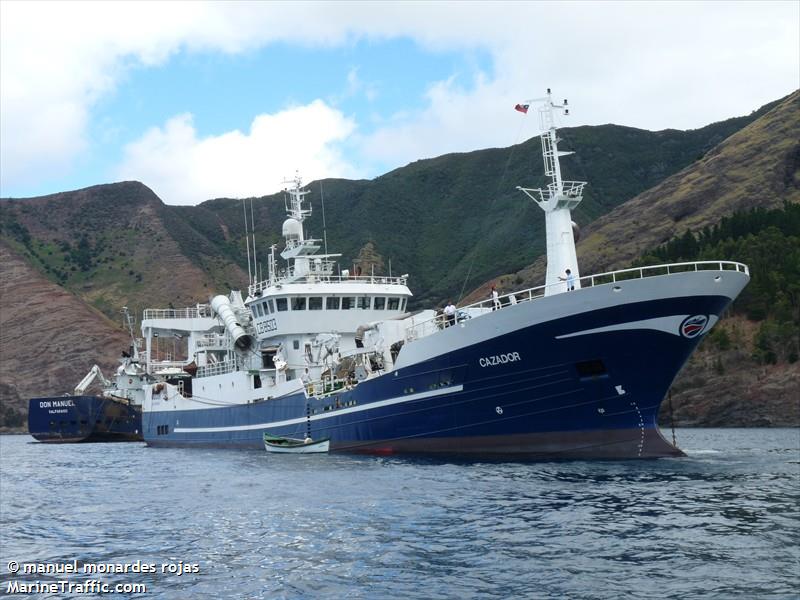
(449, 314)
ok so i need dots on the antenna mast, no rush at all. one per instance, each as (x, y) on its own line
(324, 226)
(247, 243)
(129, 325)
(253, 230)
(557, 200)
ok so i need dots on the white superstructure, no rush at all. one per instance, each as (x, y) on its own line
(294, 328)
(297, 310)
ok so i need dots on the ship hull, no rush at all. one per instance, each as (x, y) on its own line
(75, 419)
(581, 375)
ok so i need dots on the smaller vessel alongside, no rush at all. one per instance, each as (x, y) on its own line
(282, 445)
(113, 416)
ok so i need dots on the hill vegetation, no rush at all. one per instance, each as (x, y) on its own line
(768, 241)
(451, 222)
(758, 166)
(746, 372)
(454, 221)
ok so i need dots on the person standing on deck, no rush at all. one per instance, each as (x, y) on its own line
(449, 314)
(495, 299)
(570, 279)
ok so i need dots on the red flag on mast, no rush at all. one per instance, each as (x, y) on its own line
(523, 108)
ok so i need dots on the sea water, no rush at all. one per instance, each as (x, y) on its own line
(179, 523)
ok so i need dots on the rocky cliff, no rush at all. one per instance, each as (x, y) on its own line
(49, 338)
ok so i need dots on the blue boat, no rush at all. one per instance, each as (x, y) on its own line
(72, 419)
(575, 368)
(114, 415)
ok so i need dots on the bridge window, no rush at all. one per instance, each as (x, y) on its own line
(315, 303)
(394, 303)
(299, 303)
(257, 309)
(364, 302)
(281, 304)
(380, 303)
(403, 304)
(265, 308)
(271, 306)
(332, 303)
(348, 302)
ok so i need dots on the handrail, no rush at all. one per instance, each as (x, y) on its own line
(438, 322)
(260, 286)
(191, 312)
(211, 341)
(166, 364)
(220, 368)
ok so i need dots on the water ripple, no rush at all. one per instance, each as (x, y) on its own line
(723, 522)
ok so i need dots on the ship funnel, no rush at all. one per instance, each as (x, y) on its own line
(223, 309)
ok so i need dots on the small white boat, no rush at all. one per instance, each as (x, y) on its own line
(283, 445)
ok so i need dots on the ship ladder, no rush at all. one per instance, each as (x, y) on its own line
(672, 419)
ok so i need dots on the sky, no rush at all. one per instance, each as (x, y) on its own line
(199, 100)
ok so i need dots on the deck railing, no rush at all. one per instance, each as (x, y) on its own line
(211, 341)
(165, 364)
(438, 322)
(220, 368)
(259, 286)
(191, 312)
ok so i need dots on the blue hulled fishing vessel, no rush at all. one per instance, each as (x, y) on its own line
(114, 415)
(575, 368)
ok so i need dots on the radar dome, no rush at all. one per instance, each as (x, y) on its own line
(292, 229)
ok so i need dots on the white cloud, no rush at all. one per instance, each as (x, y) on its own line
(58, 58)
(650, 65)
(645, 64)
(183, 168)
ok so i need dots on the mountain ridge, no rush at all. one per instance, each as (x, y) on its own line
(118, 244)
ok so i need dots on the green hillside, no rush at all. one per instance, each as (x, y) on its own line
(746, 372)
(768, 241)
(456, 220)
(451, 222)
(115, 245)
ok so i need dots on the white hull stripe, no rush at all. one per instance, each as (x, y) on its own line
(343, 411)
(666, 324)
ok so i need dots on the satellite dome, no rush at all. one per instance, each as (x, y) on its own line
(292, 229)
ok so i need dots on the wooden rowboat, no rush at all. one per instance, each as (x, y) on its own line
(284, 445)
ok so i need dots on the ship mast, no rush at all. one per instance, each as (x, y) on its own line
(129, 325)
(301, 252)
(557, 200)
(297, 247)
